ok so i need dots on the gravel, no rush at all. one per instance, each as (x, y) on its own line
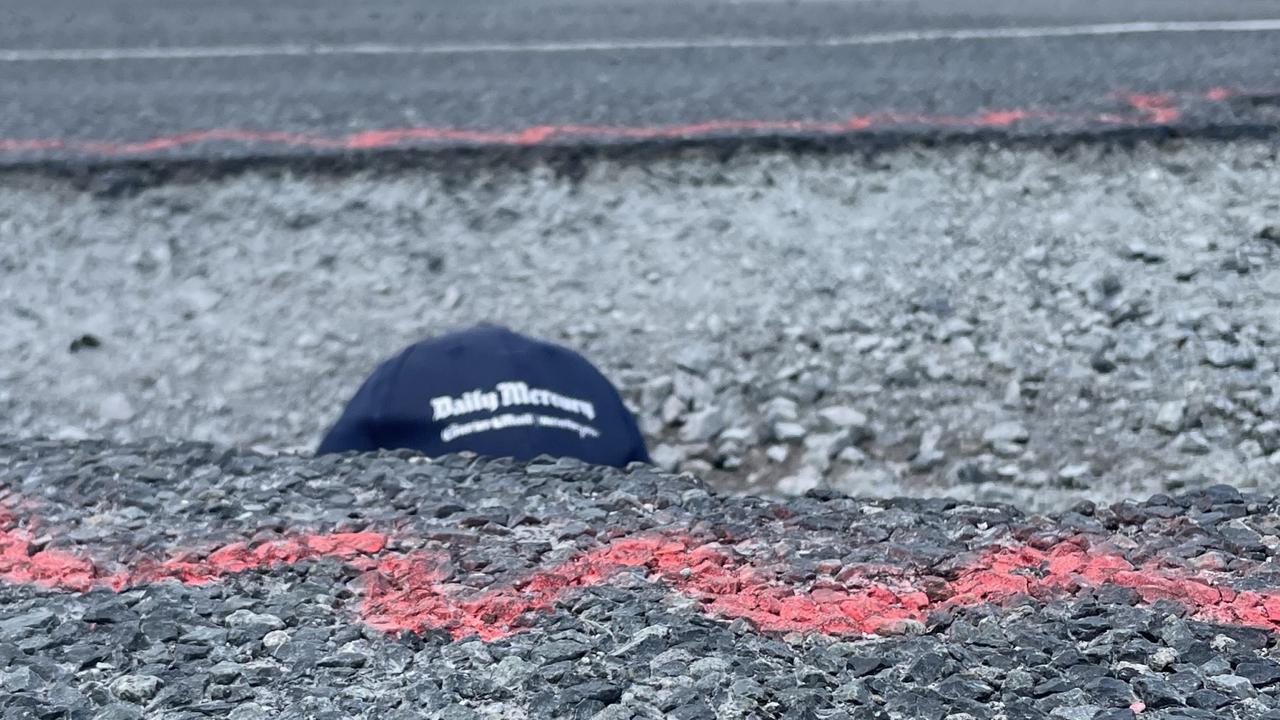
(981, 322)
(109, 607)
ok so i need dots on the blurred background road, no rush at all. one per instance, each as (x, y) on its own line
(241, 77)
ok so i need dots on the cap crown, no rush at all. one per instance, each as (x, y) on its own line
(494, 392)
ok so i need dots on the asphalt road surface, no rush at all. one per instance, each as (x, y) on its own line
(150, 78)
(186, 582)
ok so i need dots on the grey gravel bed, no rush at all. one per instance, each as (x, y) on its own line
(285, 641)
(979, 322)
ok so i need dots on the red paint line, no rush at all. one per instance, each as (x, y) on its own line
(24, 562)
(1158, 107)
(411, 592)
(408, 594)
(1153, 109)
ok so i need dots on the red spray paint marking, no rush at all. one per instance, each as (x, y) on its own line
(1146, 110)
(406, 593)
(537, 135)
(410, 592)
(1158, 107)
(23, 562)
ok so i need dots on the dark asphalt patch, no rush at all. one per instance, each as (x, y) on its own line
(411, 591)
(186, 579)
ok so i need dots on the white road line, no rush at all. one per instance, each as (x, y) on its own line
(622, 45)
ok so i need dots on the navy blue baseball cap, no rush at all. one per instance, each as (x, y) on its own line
(494, 392)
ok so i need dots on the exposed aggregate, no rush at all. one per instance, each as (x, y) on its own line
(287, 641)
